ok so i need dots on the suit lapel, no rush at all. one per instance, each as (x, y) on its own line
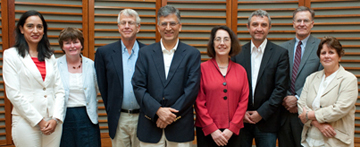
(309, 49)
(117, 59)
(291, 54)
(247, 61)
(30, 65)
(85, 68)
(159, 62)
(49, 63)
(334, 82)
(178, 56)
(266, 57)
(63, 69)
(316, 83)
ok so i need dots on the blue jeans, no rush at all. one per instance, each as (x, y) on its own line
(262, 139)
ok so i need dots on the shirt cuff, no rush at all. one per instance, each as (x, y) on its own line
(297, 97)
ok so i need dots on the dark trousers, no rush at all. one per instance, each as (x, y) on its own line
(78, 130)
(262, 139)
(290, 132)
(207, 141)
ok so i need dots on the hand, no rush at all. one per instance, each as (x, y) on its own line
(160, 124)
(327, 130)
(289, 102)
(302, 116)
(294, 110)
(227, 134)
(50, 127)
(255, 116)
(166, 114)
(42, 124)
(247, 118)
(218, 138)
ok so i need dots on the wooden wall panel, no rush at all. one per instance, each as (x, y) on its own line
(281, 18)
(198, 17)
(58, 15)
(3, 38)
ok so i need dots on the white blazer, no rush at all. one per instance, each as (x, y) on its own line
(337, 106)
(90, 84)
(32, 98)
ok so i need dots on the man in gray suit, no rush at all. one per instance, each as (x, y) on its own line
(303, 61)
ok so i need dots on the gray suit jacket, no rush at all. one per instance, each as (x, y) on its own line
(309, 62)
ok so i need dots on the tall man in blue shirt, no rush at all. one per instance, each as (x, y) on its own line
(115, 65)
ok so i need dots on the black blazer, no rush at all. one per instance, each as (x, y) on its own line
(178, 91)
(272, 83)
(109, 72)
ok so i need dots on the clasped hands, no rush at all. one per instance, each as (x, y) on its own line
(326, 129)
(252, 117)
(221, 138)
(290, 103)
(166, 116)
(47, 127)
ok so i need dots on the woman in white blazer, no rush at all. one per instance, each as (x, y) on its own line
(327, 102)
(33, 85)
(78, 76)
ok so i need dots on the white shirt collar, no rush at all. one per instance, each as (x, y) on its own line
(261, 47)
(172, 50)
(304, 41)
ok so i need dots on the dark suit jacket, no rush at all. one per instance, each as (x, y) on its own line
(178, 91)
(109, 71)
(272, 83)
(310, 63)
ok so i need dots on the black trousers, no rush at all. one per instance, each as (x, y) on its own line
(207, 141)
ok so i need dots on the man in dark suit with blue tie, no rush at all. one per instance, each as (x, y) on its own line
(303, 61)
(115, 65)
(166, 83)
(267, 67)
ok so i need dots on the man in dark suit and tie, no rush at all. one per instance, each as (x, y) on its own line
(115, 65)
(166, 83)
(267, 67)
(303, 61)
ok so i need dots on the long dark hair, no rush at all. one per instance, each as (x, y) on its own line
(44, 50)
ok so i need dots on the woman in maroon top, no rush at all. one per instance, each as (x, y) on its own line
(223, 95)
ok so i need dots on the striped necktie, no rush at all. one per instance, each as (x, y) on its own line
(295, 67)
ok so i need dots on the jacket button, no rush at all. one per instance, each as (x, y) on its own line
(225, 90)
(45, 96)
(225, 97)
(44, 89)
(224, 83)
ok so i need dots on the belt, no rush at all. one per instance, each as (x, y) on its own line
(131, 111)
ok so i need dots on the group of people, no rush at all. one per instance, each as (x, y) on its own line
(297, 92)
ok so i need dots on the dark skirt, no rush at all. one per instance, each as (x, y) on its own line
(207, 141)
(78, 130)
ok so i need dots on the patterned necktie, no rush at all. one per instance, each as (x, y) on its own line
(295, 67)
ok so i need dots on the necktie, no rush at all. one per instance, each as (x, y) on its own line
(295, 67)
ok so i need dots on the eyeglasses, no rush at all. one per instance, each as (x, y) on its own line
(131, 23)
(305, 21)
(171, 23)
(218, 40)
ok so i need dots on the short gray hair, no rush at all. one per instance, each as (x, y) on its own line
(167, 10)
(303, 8)
(129, 12)
(260, 13)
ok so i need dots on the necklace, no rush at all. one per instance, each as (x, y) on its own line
(223, 67)
(78, 67)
